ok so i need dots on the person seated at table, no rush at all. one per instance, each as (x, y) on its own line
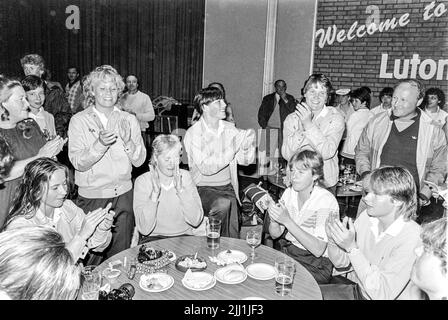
(315, 126)
(379, 246)
(430, 271)
(214, 149)
(166, 201)
(41, 200)
(302, 212)
(35, 264)
(356, 122)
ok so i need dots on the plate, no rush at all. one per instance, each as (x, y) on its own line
(162, 282)
(223, 274)
(261, 271)
(184, 268)
(230, 256)
(199, 274)
(355, 188)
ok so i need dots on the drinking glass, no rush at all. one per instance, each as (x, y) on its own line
(253, 239)
(91, 283)
(284, 278)
(213, 232)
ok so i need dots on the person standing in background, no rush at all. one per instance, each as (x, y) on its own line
(385, 97)
(139, 104)
(34, 89)
(73, 88)
(272, 113)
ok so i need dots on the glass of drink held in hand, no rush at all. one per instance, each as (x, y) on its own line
(213, 231)
(284, 279)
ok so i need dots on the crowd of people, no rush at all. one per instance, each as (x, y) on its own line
(90, 136)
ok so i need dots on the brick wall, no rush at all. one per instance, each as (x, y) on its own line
(356, 62)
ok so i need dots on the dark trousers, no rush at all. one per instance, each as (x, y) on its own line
(221, 203)
(320, 267)
(123, 220)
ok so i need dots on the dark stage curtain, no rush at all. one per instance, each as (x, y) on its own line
(161, 41)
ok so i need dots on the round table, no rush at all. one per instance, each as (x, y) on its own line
(304, 288)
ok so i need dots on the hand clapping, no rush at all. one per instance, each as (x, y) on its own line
(125, 131)
(278, 212)
(107, 137)
(178, 178)
(342, 236)
(92, 220)
(155, 183)
(305, 114)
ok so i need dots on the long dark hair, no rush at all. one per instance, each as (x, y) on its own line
(33, 185)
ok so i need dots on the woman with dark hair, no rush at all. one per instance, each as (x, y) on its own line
(360, 99)
(315, 126)
(229, 113)
(433, 103)
(302, 212)
(41, 200)
(214, 149)
(35, 95)
(385, 97)
(24, 137)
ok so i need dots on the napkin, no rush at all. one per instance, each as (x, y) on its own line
(197, 280)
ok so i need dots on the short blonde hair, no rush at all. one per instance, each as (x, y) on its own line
(104, 72)
(162, 143)
(311, 160)
(399, 184)
(35, 264)
(434, 239)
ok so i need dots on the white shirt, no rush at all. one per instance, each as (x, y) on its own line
(438, 117)
(45, 120)
(318, 206)
(378, 109)
(355, 124)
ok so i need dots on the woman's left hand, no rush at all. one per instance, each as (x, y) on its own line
(178, 179)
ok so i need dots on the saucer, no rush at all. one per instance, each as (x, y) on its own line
(222, 274)
(156, 282)
(230, 256)
(261, 271)
(200, 276)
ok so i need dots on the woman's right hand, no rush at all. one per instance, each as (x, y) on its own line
(52, 147)
(92, 220)
(155, 180)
